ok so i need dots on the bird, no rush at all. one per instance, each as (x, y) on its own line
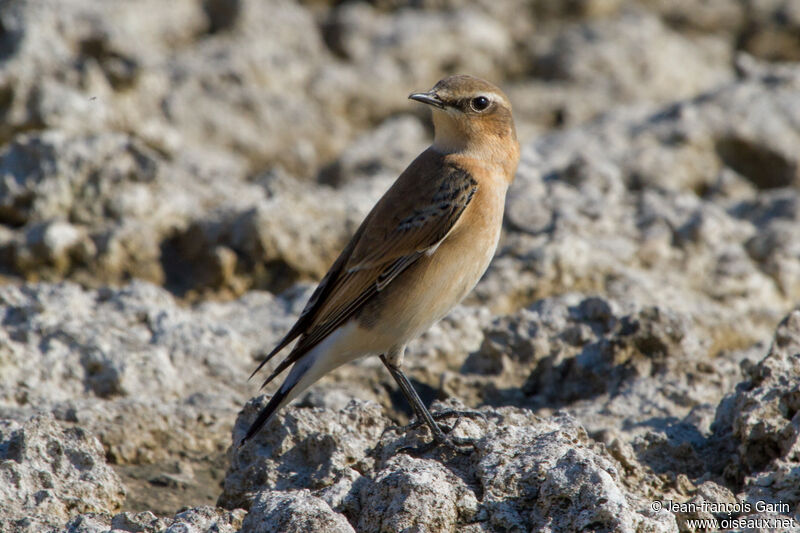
(421, 249)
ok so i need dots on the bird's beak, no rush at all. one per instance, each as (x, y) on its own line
(430, 98)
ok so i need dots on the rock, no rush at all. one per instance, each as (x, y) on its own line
(223, 233)
(770, 30)
(87, 205)
(761, 418)
(70, 70)
(304, 448)
(173, 375)
(775, 247)
(410, 48)
(51, 471)
(522, 469)
(415, 494)
(604, 208)
(764, 28)
(51, 245)
(585, 352)
(665, 65)
(96, 357)
(277, 101)
(638, 378)
(153, 380)
(81, 353)
(524, 489)
(89, 523)
(294, 234)
(385, 151)
(292, 512)
(580, 70)
(198, 519)
(253, 82)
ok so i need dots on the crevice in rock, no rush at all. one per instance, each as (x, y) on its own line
(761, 165)
(222, 14)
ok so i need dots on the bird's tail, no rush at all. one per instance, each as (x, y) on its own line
(292, 386)
(305, 371)
(299, 379)
(275, 403)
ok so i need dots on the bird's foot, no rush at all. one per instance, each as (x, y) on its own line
(447, 413)
(461, 445)
(441, 415)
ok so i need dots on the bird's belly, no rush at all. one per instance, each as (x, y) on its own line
(429, 289)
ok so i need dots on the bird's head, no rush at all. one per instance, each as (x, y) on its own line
(469, 114)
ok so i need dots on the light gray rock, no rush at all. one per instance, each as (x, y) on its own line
(155, 380)
(582, 69)
(196, 520)
(293, 511)
(709, 496)
(384, 151)
(761, 422)
(303, 448)
(200, 422)
(50, 471)
(91, 206)
(547, 474)
(635, 56)
(770, 30)
(522, 469)
(133, 354)
(614, 363)
(253, 83)
(652, 207)
(64, 342)
(775, 247)
(89, 523)
(144, 68)
(277, 100)
(69, 68)
(764, 413)
(417, 495)
(407, 50)
(765, 28)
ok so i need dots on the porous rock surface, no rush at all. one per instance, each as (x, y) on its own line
(762, 421)
(173, 175)
(51, 471)
(523, 472)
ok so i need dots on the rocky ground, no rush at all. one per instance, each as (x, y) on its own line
(174, 176)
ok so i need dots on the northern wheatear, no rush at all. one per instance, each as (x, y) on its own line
(421, 249)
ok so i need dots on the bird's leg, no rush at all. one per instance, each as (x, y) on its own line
(422, 413)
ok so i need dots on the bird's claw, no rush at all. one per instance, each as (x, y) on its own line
(447, 413)
(461, 445)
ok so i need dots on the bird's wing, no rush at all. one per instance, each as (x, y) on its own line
(412, 218)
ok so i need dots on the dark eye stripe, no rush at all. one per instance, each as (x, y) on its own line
(462, 104)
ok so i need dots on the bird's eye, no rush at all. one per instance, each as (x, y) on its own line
(479, 103)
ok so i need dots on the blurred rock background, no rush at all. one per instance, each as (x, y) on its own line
(174, 176)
